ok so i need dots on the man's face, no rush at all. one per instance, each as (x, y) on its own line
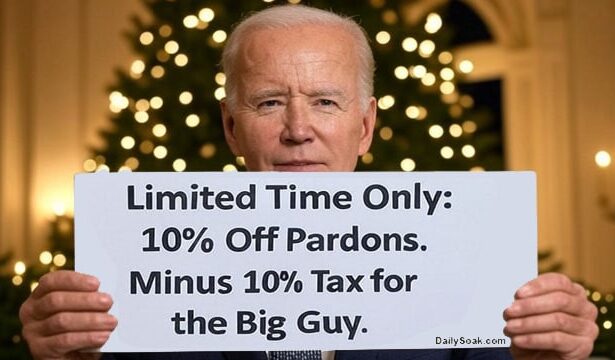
(298, 105)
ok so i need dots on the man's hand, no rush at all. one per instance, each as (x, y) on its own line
(64, 314)
(551, 318)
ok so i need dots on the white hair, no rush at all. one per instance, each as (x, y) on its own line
(289, 16)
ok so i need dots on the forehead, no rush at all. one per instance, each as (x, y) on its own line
(300, 48)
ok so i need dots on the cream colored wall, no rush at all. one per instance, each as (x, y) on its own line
(56, 59)
(555, 57)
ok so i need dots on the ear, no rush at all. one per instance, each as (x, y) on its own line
(369, 121)
(228, 122)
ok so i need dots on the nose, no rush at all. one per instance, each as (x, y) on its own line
(298, 127)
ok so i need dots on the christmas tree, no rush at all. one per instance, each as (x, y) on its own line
(166, 114)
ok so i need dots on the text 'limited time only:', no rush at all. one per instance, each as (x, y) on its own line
(286, 197)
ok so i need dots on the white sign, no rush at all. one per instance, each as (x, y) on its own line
(281, 261)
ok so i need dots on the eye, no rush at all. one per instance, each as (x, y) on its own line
(326, 102)
(269, 104)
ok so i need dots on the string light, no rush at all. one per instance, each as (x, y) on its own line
(162, 56)
(229, 168)
(146, 147)
(103, 168)
(181, 60)
(240, 160)
(127, 142)
(137, 67)
(596, 296)
(45, 258)
(17, 280)
(447, 74)
(59, 260)
(603, 159)
(219, 36)
(220, 93)
(401, 72)
(208, 150)
(607, 324)
(89, 165)
(447, 152)
(390, 17)
(165, 31)
(117, 102)
(477, 169)
(433, 23)
(192, 120)
(451, 98)
(220, 79)
(466, 101)
(141, 117)
(159, 130)
(428, 79)
(383, 37)
(294, 2)
(142, 105)
(469, 126)
(408, 164)
(132, 163)
(179, 165)
(436, 131)
(386, 102)
(191, 21)
(160, 152)
(445, 57)
(386, 133)
(466, 66)
(124, 169)
(206, 15)
(426, 48)
(468, 151)
(455, 130)
(367, 158)
(157, 72)
(418, 71)
(33, 286)
(19, 268)
(447, 88)
(146, 38)
(171, 47)
(156, 102)
(185, 97)
(58, 208)
(409, 44)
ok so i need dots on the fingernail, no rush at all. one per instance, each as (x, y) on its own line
(105, 299)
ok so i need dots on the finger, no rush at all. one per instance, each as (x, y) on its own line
(61, 301)
(74, 322)
(546, 283)
(576, 347)
(62, 344)
(549, 323)
(65, 281)
(550, 303)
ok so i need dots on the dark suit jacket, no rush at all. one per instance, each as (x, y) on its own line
(446, 354)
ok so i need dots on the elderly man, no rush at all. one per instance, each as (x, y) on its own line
(300, 99)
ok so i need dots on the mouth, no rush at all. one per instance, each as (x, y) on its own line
(299, 166)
